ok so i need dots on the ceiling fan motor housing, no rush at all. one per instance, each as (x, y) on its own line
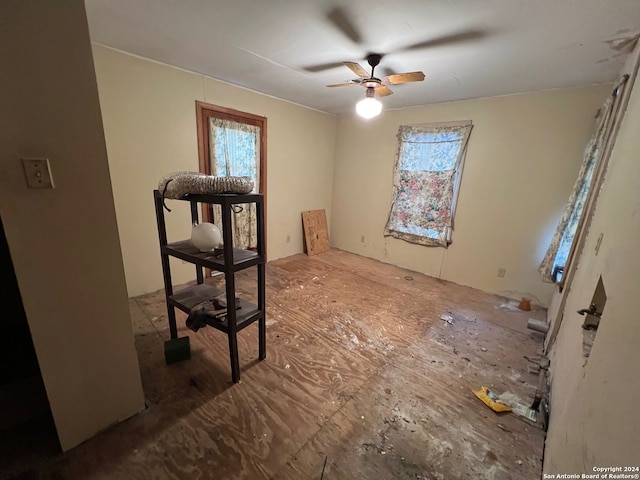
(371, 82)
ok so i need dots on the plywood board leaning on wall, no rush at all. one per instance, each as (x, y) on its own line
(316, 234)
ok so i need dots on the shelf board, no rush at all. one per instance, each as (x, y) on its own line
(189, 297)
(224, 198)
(214, 260)
(245, 316)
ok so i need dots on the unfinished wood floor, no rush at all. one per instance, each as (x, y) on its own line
(360, 370)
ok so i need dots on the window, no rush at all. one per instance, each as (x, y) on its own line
(426, 177)
(234, 149)
(233, 143)
(562, 248)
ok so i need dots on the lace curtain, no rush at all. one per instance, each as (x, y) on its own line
(426, 177)
(559, 251)
(235, 151)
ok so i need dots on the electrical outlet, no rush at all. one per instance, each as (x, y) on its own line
(502, 272)
(37, 172)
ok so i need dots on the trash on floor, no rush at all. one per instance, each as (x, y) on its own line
(511, 306)
(507, 402)
(323, 467)
(447, 318)
(537, 325)
(538, 363)
(502, 427)
(518, 406)
(491, 400)
(525, 412)
(525, 304)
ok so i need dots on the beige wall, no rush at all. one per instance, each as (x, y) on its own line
(594, 408)
(522, 160)
(150, 127)
(64, 242)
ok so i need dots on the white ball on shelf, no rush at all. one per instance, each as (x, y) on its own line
(206, 237)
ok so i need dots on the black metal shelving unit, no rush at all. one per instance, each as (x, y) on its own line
(229, 261)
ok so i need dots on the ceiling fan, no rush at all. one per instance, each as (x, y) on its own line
(374, 84)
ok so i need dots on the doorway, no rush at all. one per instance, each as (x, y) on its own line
(28, 436)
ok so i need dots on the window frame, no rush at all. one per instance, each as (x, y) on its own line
(465, 127)
(206, 110)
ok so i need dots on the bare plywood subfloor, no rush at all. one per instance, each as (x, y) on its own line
(360, 370)
(316, 233)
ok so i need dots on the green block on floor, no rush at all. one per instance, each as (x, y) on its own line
(177, 350)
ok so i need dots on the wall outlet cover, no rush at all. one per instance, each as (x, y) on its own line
(37, 172)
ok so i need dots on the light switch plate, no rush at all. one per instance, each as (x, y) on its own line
(37, 172)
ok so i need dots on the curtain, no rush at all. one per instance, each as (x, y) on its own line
(558, 253)
(235, 151)
(427, 173)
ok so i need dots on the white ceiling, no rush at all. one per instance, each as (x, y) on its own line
(291, 49)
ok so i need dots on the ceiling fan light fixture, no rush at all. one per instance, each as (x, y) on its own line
(369, 106)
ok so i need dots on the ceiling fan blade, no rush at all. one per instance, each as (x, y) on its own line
(388, 71)
(353, 83)
(339, 17)
(398, 78)
(357, 69)
(322, 67)
(450, 38)
(383, 90)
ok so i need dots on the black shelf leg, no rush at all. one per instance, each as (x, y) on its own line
(230, 285)
(171, 314)
(262, 323)
(166, 269)
(195, 220)
(233, 355)
(262, 329)
(168, 291)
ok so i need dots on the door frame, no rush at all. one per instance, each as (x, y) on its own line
(206, 110)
